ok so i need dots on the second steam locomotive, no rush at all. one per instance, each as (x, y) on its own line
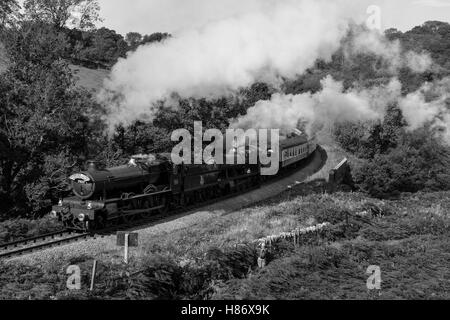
(152, 184)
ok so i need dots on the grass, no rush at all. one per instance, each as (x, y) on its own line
(411, 246)
(407, 238)
(91, 79)
(414, 268)
(17, 229)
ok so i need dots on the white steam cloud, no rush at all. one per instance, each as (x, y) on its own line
(278, 41)
(429, 105)
(390, 51)
(331, 105)
(283, 40)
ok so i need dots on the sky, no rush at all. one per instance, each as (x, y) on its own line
(149, 16)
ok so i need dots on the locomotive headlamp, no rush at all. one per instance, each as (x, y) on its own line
(60, 203)
(81, 217)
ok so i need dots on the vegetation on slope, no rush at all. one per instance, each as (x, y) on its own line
(89, 79)
(407, 238)
(392, 159)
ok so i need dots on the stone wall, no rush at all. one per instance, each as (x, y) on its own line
(339, 175)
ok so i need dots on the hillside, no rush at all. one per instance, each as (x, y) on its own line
(408, 239)
(91, 79)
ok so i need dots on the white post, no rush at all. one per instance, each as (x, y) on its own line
(125, 259)
(94, 270)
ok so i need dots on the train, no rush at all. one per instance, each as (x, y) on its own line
(152, 184)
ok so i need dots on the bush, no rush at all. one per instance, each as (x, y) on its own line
(17, 229)
(420, 163)
(367, 139)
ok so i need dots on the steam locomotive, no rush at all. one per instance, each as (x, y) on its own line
(152, 184)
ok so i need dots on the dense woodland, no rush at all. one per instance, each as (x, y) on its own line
(49, 127)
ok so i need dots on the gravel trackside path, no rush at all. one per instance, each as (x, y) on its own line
(105, 249)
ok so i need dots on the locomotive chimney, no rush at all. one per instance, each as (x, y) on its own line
(92, 166)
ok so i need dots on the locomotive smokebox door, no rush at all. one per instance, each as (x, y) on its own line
(132, 239)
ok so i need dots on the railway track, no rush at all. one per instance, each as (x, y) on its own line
(55, 239)
(30, 245)
(21, 247)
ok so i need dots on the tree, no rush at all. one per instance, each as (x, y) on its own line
(133, 39)
(393, 33)
(9, 12)
(432, 36)
(46, 124)
(155, 37)
(103, 45)
(82, 14)
(420, 162)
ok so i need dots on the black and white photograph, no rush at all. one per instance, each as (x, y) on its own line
(224, 155)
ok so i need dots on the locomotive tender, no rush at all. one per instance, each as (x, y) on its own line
(152, 184)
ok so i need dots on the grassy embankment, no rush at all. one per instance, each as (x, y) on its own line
(407, 238)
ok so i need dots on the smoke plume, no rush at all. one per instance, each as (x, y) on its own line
(278, 41)
(281, 40)
(331, 105)
(391, 52)
(430, 105)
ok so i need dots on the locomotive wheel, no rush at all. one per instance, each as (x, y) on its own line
(145, 205)
(198, 196)
(165, 209)
(187, 200)
(98, 224)
(123, 219)
(209, 194)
